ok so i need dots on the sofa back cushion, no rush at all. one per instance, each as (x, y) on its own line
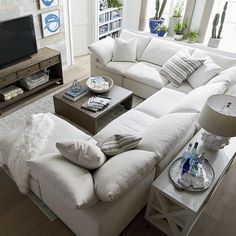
(204, 73)
(72, 184)
(103, 49)
(122, 173)
(166, 133)
(159, 51)
(222, 61)
(142, 41)
(195, 100)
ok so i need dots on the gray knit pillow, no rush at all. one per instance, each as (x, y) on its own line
(118, 143)
(179, 67)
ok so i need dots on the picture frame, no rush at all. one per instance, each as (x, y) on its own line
(51, 23)
(48, 3)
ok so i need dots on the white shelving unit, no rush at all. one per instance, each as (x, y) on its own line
(108, 22)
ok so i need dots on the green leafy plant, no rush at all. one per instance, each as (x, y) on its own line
(216, 21)
(159, 11)
(192, 37)
(180, 27)
(162, 27)
(179, 8)
(114, 3)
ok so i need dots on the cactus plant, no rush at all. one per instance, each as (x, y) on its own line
(222, 20)
(214, 25)
(158, 12)
(216, 21)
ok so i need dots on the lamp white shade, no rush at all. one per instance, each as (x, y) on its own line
(214, 121)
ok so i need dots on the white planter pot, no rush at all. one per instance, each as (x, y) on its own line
(173, 21)
(178, 37)
(213, 42)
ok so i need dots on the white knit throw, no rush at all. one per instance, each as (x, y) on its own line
(28, 146)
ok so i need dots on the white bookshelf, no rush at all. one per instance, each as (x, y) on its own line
(108, 22)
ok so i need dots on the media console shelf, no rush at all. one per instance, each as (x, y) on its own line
(45, 58)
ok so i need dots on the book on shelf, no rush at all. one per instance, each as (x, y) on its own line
(75, 95)
(96, 103)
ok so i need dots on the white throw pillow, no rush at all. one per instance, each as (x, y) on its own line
(166, 133)
(142, 40)
(179, 67)
(195, 100)
(82, 153)
(204, 73)
(122, 173)
(118, 143)
(222, 61)
(103, 49)
(160, 51)
(124, 50)
(72, 184)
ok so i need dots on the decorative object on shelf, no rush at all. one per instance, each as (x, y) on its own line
(179, 30)
(177, 17)
(192, 37)
(103, 5)
(191, 171)
(161, 30)
(10, 92)
(215, 38)
(47, 3)
(114, 3)
(157, 19)
(51, 23)
(218, 118)
(99, 84)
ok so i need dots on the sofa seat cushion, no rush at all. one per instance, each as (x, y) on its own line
(159, 51)
(71, 183)
(185, 87)
(222, 61)
(132, 122)
(166, 133)
(146, 75)
(118, 67)
(195, 100)
(142, 40)
(122, 173)
(160, 102)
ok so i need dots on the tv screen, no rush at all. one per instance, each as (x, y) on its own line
(17, 40)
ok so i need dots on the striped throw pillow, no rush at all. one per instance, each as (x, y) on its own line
(118, 143)
(179, 67)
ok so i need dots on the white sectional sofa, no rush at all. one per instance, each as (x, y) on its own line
(166, 121)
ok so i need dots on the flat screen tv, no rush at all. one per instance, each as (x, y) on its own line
(17, 40)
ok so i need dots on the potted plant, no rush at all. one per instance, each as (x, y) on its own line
(177, 16)
(161, 30)
(192, 37)
(114, 3)
(215, 38)
(179, 30)
(157, 20)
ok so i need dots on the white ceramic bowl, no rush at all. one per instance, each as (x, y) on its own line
(101, 86)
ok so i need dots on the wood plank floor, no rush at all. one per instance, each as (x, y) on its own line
(20, 217)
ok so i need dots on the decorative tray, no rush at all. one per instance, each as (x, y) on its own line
(207, 178)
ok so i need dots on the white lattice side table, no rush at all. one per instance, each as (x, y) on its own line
(175, 211)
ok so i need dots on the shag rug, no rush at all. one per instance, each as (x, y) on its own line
(44, 105)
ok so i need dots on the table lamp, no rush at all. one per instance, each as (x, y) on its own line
(218, 119)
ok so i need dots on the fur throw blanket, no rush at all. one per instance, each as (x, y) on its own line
(28, 146)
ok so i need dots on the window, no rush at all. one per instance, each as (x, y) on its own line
(166, 14)
(228, 41)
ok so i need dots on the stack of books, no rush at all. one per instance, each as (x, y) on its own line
(75, 95)
(96, 103)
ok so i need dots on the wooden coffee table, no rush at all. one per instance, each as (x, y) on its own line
(88, 119)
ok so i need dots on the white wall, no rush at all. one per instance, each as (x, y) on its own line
(81, 25)
(131, 14)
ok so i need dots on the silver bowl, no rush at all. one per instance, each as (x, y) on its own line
(99, 84)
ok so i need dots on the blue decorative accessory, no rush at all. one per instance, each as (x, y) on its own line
(47, 2)
(153, 23)
(52, 23)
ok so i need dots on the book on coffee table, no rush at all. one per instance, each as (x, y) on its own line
(75, 95)
(96, 103)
